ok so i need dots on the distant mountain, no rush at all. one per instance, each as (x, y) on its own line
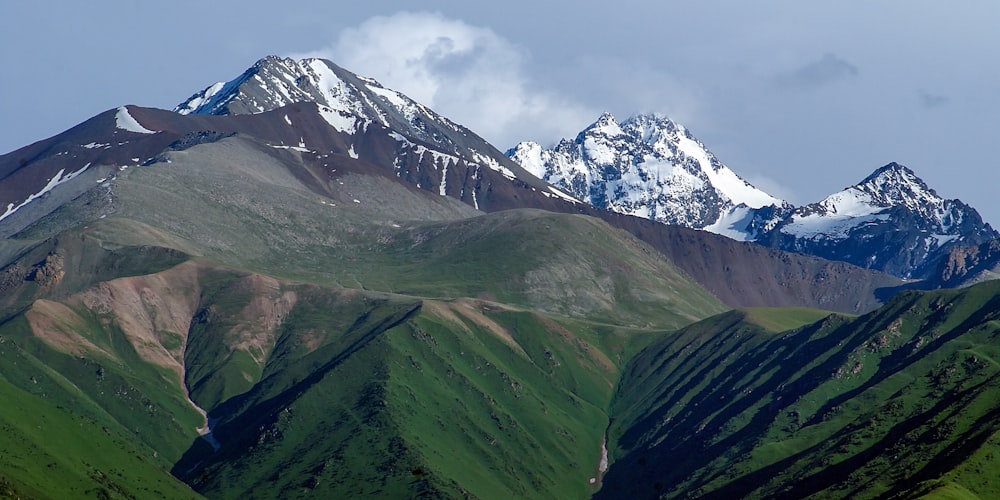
(652, 167)
(350, 104)
(891, 221)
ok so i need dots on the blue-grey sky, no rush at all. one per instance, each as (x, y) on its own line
(800, 98)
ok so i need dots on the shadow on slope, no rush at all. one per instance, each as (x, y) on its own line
(842, 408)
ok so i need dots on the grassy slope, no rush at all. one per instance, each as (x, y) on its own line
(779, 319)
(844, 408)
(367, 402)
(479, 356)
(43, 441)
(498, 387)
(253, 214)
(103, 428)
(455, 397)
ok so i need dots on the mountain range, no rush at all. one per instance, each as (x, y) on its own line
(650, 166)
(303, 283)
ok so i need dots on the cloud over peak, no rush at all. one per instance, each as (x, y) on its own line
(467, 73)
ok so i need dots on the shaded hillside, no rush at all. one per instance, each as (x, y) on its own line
(900, 400)
(744, 274)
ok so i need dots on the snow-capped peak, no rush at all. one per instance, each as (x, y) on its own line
(895, 184)
(648, 166)
(891, 221)
(355, 106)
(889, 186)
(606, 125)
(274, 82)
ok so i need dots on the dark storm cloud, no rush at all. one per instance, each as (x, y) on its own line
(824, 71)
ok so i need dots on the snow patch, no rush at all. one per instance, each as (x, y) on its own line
(199, 100)
(125, 121)
(339, 121)
(403, 105)
(850, 202)
(556, 193)
(442, 189)
(734, 224)
(491, 162)
(299, 148)
(816, 226)
(53, 182)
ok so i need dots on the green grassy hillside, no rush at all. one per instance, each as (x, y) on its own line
(338, 349)
(877, 405)
(362, 338)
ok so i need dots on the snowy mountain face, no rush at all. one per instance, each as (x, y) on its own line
(891, 221)
(651, 167)
(351, 104)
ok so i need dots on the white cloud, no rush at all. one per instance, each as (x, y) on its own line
(467, 73)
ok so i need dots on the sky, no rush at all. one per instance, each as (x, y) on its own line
(800, 98)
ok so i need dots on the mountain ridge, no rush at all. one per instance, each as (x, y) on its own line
(647, 166)
(891, 221)
(652, 167)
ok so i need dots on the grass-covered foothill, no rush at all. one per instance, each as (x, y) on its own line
(61, 437)
(877, 405)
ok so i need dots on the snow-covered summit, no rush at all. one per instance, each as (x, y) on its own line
(348, 100)
(352, 103)
(648, 166)
(890, 221)
(890, 187)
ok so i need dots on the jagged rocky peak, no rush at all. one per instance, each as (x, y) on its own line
(606, 125)
(274, 82)
(349, 103)
(894, 184)
(648, 166)
(890, 221)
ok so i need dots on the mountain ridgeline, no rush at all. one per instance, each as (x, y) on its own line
(650, 166)
(303, 283)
